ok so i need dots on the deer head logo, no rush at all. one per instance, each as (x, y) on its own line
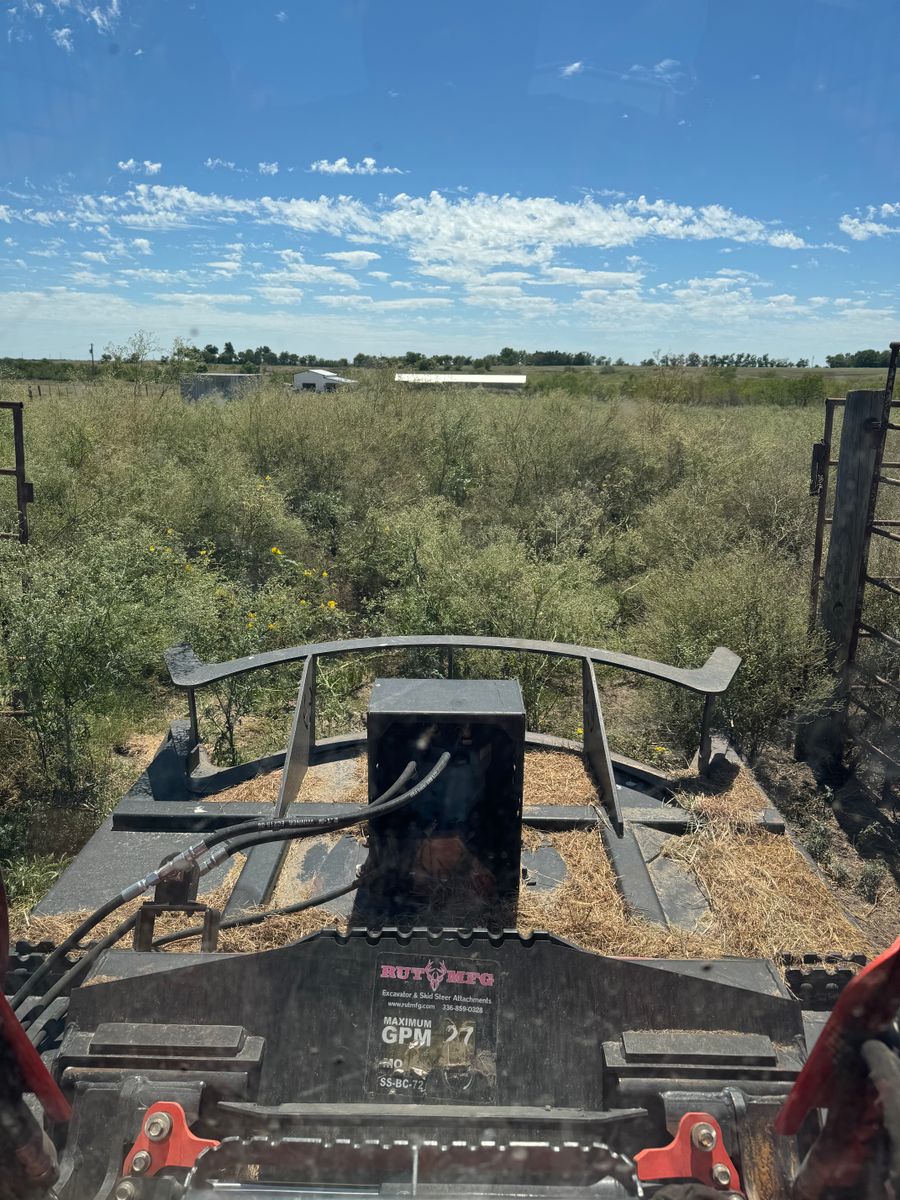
(435, 975)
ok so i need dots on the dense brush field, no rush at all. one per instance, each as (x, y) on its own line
(660, 513)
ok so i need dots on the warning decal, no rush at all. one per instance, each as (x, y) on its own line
(434, 1030)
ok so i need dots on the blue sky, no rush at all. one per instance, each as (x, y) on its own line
(331, 176)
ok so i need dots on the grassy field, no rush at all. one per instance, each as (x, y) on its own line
(660, 512)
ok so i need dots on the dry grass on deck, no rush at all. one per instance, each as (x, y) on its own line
(764, 896)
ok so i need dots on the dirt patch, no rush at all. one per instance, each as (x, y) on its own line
(860, 863)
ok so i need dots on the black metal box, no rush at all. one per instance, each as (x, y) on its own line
(453, 855)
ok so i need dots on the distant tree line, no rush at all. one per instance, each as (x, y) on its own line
(860, 358)
(721, 360)
(139, 351)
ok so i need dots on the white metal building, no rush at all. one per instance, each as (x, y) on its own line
(509, 382)
(317, 379)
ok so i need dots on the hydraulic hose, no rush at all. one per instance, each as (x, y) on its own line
(279, 830)
(259, 917)
(69, 943)
(275, 829)
(79, 969)
(313, 901)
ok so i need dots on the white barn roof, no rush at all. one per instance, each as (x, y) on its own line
(427, 377)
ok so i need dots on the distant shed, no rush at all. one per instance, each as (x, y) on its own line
(222, 383)
(317, 379)
(503, 382)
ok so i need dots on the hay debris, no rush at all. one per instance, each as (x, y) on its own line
(764, 897)
(729, 795)
(339, 783)
(56, 927)
(551, 777)
(557, 777)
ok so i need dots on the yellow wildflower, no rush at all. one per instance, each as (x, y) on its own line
(152, 549)
(268, 477)
(272, 625)
(307, 572)
(188, 567)
(302, 601)
(332, 603)
(275, 550)
(579, 730)
(202, 552)
(659, 749)
(324, 574)
(251, 616)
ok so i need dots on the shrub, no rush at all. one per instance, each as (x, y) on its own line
(748, 600)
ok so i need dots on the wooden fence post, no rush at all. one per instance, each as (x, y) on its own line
(860, 440)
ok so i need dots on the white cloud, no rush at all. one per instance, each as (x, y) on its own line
(280, 295)
(861, 228)
(343, 166)
(105, 19)
(281, 16)
(372, 305)
(201, 297)
(132, 167)
(138, 53)
(296, 269)
(268, 168)
(225, 163)
(142, 245)
(480, 231)
(94, 256)
(153, 275)
(354, 258)
(380, 275)
(667, 73)
(89, 277)
(574, 68)
(63, 39)
(578, 277)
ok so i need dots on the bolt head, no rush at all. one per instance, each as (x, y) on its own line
(721, 1175)
(703, 1136)
(141, 1162)
(125, 1190)
(158, 1126)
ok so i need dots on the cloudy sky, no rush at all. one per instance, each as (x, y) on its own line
(331, 176)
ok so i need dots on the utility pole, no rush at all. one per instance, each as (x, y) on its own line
(93, 365)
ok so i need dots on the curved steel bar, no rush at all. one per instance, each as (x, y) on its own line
(713, 678)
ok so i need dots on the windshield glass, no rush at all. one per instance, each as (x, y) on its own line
(448, 481)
